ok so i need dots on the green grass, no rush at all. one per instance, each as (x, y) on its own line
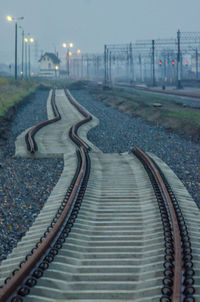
(138, 96)
(12, 92)
(186, 115)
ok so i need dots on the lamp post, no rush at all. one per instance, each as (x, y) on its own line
(10, 19)
(78, 62)
(28, 41)
(26, 65)
(22, 71)
(69, 53)
(31, 40)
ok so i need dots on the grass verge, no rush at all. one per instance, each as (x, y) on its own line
(12, 92)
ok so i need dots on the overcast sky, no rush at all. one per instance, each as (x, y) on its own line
(90, 24)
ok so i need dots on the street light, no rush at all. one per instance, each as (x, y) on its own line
(22, 71)
(10, 19)
(28, 42)
(26, 65)
(31, 40)
(78, 52)
(56, 70)
(69, 53)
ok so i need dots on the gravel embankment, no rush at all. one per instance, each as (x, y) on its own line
(118, 132)
(25, 183)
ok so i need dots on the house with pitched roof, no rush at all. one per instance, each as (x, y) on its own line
(49, 65)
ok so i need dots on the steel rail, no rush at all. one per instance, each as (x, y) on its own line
(178, 267)
(29, 137)
(179, 264)
(75, 127)
(20, 275)
(25, 269)
(182, 286)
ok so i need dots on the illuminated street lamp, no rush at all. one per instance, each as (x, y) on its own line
(69, 54)
(56, 70)
(10, 19)
(31, 40)
(28, 42)
(22, 71)
(78, 52)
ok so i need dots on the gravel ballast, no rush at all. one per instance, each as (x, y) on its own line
(25, 183)
(118, 132)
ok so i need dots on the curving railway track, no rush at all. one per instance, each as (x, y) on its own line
(119, 233)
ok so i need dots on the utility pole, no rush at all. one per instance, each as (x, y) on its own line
(145, 71)
(140, 66)
(105, 65)
(153, 64)
(131, 64)
(22, 53)
(68, 63)
(29, 60)
(78, 67)
(168, 67)
(82, 61)
(26, 74)
(15, 50)
(127, 63)
(110, 67)
(165, 68)
(197, 64)
(181, 66)
(179, 86)
(97, 66)
(87, 68)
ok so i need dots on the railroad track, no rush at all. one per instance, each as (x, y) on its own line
(119, 234)
(29, 137)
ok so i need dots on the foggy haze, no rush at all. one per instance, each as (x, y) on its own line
(90, 24)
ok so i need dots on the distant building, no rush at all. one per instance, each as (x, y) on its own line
(49, 65)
